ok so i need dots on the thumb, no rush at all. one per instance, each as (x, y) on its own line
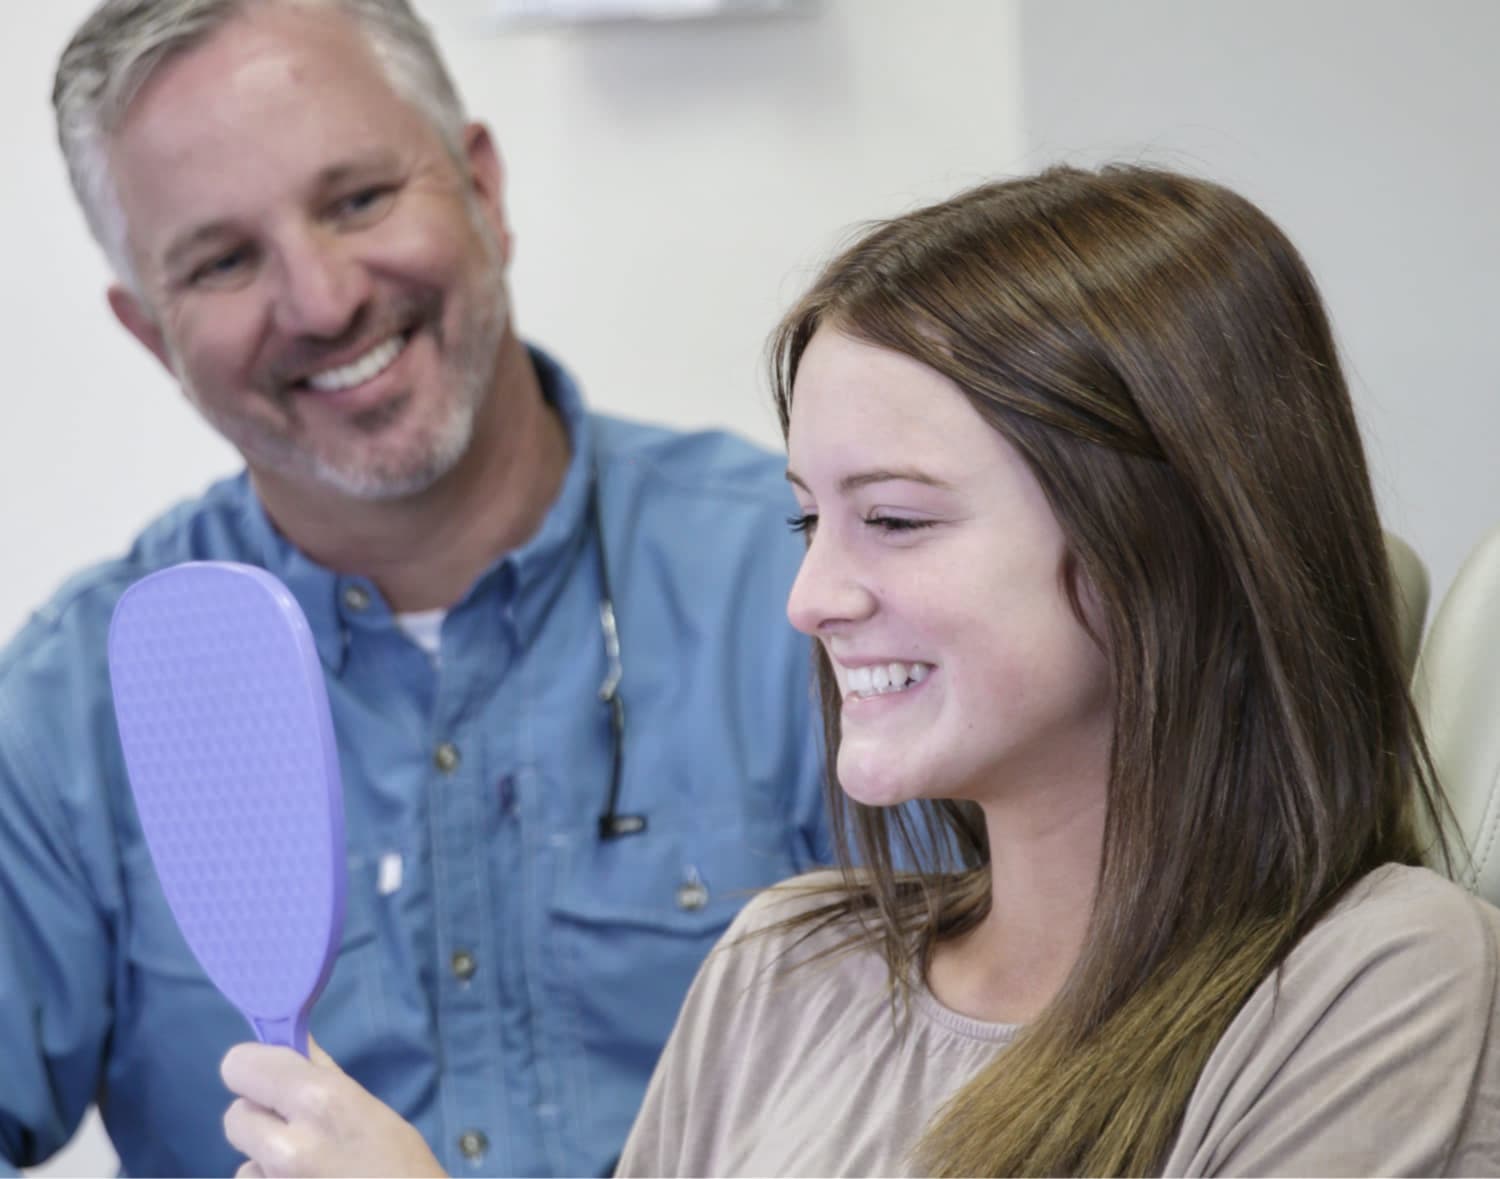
(320, 1058)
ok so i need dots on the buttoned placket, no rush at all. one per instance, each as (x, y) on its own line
(475, 927)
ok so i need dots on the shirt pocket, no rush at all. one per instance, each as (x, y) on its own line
(162, 970)
(352, 1004)
(171, 1026)
(633, 918)
(153, 944)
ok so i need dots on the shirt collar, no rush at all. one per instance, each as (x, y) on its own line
(551, 551)
(327, 597)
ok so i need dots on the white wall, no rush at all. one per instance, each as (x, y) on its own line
(1370, 129)
(671, 187)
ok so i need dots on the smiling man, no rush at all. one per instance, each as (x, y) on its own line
(312, 239)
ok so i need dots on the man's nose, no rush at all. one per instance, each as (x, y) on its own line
(322, 287)
(830, 589)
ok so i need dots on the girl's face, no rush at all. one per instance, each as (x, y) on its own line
(934, 580)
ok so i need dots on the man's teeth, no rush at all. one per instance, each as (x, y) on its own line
(883, 678)
(366, 368)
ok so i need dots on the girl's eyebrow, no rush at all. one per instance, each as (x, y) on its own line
(879, 475)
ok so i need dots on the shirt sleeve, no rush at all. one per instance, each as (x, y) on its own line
(1374, 1056)
(54, 957)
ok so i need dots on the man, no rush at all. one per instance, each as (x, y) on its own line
(312, 240)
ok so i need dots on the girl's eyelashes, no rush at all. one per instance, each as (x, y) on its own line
(806, 522)
(897, 523)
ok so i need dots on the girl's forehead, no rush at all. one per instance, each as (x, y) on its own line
(856, 405)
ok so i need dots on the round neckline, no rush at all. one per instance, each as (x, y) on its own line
(963, 1025)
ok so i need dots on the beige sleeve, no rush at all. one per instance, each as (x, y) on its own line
(657, 1144)
(1377, 1056)
(694, 1104)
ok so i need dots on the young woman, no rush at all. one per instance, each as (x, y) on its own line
(1100, 591)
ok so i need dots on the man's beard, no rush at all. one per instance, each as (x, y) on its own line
(468, 368)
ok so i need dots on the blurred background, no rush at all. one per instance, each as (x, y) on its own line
(673, 186)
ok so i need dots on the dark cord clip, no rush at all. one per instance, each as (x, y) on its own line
(614, 826)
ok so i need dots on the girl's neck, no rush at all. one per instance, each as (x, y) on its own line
(1044, 869)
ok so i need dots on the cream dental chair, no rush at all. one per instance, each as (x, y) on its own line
(1457, 690)
(1411, 595)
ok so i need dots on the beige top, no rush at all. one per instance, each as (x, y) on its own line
(1378, 1058)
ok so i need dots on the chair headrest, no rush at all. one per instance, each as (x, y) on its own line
(1457, 691)
(1410, 576)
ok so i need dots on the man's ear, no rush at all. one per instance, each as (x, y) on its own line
(138, 321)
(487, 177)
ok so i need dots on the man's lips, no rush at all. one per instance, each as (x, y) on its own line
(359, 369)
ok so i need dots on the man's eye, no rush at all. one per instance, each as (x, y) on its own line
(803, 523)
(219, 269)
(363, 203)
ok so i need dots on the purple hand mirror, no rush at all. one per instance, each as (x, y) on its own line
(229, 745)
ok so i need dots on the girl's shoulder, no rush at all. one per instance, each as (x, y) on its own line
(1406, 917)
(795, 921)
(1394, 993)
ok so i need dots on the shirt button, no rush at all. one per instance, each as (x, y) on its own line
(356, 598)
(463, 965)
(691, 896)
(473, 1144)
(445, 757)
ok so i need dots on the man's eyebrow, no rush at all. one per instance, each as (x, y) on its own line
(880, 475)
(361, 168)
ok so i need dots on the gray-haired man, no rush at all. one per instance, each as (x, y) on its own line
(311, 238)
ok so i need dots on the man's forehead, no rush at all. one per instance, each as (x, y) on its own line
(271, 103)
(264, 50)
(277, 75)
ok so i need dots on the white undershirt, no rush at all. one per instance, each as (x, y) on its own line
(424, 628)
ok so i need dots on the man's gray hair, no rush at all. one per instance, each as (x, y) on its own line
(116, 51)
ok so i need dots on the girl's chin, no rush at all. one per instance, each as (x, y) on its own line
(870, 788)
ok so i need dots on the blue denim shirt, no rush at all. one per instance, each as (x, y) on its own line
(506, 979)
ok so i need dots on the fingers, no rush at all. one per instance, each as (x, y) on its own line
(296, 1116)
(320, 1058)
(257, 1133)
(269, 1076)
(249, 1170)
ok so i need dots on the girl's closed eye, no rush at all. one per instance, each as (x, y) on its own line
(887, 523)
(803, 522)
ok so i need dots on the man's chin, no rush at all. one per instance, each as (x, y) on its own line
(373, 481)
(398, 462)
(381, 485)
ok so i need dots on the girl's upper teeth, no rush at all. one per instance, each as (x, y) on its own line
(879, 678)
(357, 372)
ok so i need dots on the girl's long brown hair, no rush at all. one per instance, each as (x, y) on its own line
(1157, 350)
